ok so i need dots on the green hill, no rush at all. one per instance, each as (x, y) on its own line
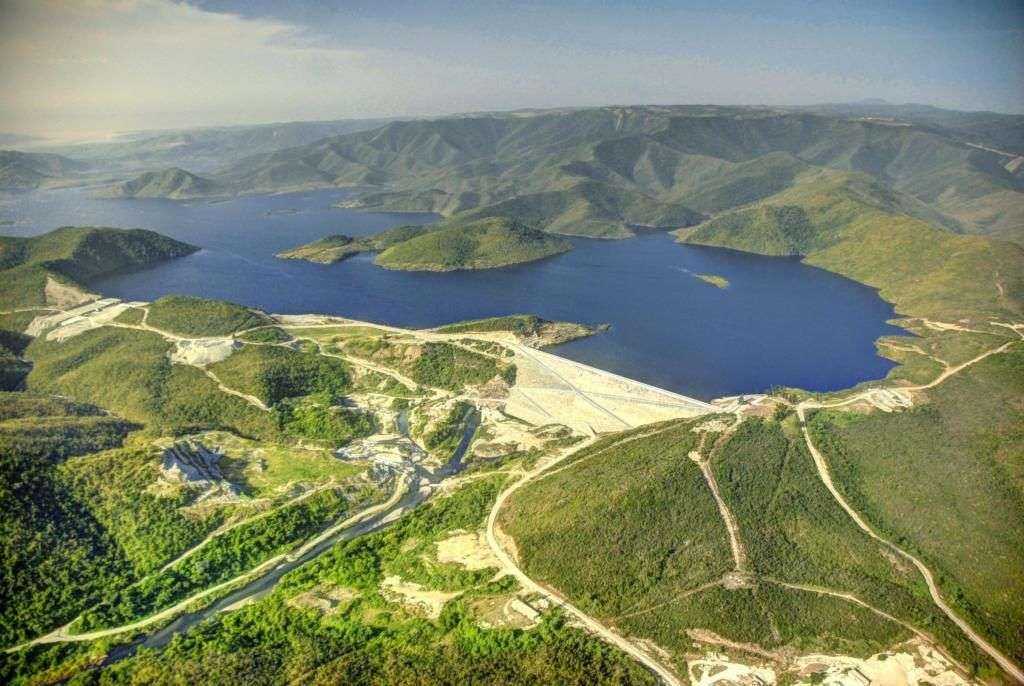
(173, 183)
(189, 316)
(24, 170)
(52, 266)
(529, 328)
(851, 225)
(597, 171)
(331, 249)
(481, 244)
(468, 243)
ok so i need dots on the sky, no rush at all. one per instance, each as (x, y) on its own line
(74, 68)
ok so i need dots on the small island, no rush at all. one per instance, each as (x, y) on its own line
(714, 280)
(326, 250)
(480, 244)
(337, 247)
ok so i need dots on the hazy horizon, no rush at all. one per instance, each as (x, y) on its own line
(114, 66)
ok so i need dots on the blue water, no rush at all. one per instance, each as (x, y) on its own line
(779, 323)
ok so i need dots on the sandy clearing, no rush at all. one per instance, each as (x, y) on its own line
(917, 665)
(65, 316)
(467, 549)
(324, 597)
(200, 352)
(415, 596)
(63, 295)
(711, 671)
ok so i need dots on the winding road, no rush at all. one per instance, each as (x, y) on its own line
(826, 478)
(664, 674)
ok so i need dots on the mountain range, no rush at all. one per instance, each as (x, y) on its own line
(603, 172)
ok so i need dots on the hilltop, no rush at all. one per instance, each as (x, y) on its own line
(466, 244)
(203, 149)
(477, 244)
(603, 171)
(52, 268)
(173, 183)
(23, 170)
(848, 224)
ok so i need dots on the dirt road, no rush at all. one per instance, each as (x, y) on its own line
(929, 578)
(664, 674)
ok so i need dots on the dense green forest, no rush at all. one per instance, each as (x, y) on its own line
(366, 639)
(480, 244)
(73, 254)
(195, 317)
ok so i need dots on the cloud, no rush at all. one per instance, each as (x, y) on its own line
(105, 65)
(153, 63)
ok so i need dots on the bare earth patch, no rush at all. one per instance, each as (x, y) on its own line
(325, 598)
(63, 295)
(203, 351)
(412, 595)
(469, 550)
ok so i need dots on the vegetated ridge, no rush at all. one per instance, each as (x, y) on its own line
(51, 268)
(467, 244)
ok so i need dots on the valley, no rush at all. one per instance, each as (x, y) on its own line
(246, 446)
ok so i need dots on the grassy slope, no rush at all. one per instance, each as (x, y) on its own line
(273, 373)
(794, 532)
(947, 480)
(129, 373)
(628, 532)
(851, 226)
(195, 317)
(472, 245)
(624, 528)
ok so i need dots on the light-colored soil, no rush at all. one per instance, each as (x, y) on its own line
(73, 319)
(325, 598)
(712, 672)
(416, 597)
(551, 389)
(468, 550)
(916, 665)
(62, 295)
(203, 351)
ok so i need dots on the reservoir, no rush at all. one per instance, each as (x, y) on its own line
(778, 323)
